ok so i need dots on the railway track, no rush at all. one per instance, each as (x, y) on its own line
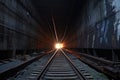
(59, 66)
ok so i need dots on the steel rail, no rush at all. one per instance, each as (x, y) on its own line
(80, 75)
(46, 66)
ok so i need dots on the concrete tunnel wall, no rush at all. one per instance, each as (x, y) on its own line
(18, 28)
(99, 25)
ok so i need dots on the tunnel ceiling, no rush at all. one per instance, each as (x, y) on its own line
(64, 13)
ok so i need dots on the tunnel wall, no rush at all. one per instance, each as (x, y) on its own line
(18, 28)
(99, 25)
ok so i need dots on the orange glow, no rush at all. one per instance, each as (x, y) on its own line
(58, 45)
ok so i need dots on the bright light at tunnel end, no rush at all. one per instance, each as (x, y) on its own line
(58, 45)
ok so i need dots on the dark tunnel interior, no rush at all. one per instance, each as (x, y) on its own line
(64, 14)
(88, 29)
(88, 26)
